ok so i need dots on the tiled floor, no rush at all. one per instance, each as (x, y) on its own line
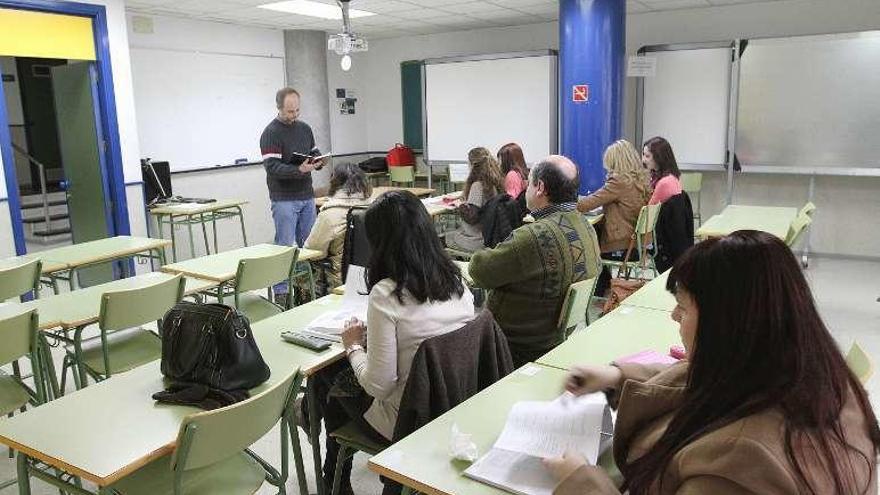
(846, 292)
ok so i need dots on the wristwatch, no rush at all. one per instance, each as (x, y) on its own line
(353, 348)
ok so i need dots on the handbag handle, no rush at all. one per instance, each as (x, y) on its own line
(632, 241)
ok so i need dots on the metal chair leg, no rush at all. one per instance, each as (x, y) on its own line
(337, 473)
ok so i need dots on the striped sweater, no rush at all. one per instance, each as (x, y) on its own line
(277, 145)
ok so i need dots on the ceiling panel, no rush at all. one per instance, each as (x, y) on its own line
(398, 17)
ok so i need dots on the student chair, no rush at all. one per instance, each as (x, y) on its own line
(808, 209)
(20, 280)
(860, 363)
(797, 228)
(213, 455)
(692, 183)
(402, 175)
(122, 310)
(19, 336)
(575, 308)
(643, 232)
(262, 273)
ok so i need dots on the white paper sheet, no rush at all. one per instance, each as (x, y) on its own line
(513, 472)
(330, 324)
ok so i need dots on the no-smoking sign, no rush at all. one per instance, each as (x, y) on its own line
(580, 92)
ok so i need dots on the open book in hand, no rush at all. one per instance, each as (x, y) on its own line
(537, 430)
(330, 324)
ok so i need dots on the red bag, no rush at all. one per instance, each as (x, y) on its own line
(401, 156)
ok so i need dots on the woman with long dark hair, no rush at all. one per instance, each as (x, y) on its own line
(513, 167)
(765, 402)
(415, 292)
(658, 158)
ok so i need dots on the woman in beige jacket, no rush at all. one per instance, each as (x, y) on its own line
(765, 404)
(349, 188)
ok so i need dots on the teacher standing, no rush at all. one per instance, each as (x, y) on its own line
(285, 145)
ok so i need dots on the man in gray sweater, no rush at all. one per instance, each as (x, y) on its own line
(286, 144)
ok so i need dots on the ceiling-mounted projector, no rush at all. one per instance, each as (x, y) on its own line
(346, 42)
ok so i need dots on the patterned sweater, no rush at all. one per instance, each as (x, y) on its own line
(529, 274)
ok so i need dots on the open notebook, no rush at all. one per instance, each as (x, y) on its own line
(329, 325)
(536, 430)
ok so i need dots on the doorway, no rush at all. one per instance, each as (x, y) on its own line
(58, 134)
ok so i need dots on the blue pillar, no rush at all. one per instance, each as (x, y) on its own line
(592, 38)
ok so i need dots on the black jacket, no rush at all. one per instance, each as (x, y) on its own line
(674, 231)
(500, 216)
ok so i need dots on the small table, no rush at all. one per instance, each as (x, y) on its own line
(421, 460)
(197, 213)
(422, 192)
(77, 256)
(222, 267)
(772, 219)
(115, 425)
(622, 332)
(653, 295)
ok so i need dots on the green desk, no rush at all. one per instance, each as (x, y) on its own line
(421, 460)
(222, 267)
(421, 192)
(119, 428)
(653, 295)
(189, 214)
(772, 219)
(77, 309)
(624, 331)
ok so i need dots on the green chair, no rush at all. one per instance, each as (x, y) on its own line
(213, 455)
(797, 228)
(692, 184)
(402, 175)
(262, 273)
(860, 363)
(458, 173)
(21, 279)
(808, 209)
(575, 308)
(19, 336)
(645, 225)
(122, 310)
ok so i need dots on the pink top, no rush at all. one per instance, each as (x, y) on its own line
(514, 184)
(667, 187)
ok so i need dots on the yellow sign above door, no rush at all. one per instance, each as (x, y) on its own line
(38, 34)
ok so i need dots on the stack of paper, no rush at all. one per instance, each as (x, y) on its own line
(329, 325)
(537, 430)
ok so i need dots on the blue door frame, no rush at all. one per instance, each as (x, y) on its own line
(114, 182)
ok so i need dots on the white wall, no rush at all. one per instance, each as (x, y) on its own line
(15, 116)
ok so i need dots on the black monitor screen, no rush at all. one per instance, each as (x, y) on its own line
(157, 181)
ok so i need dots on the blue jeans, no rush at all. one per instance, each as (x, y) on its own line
(293, 222)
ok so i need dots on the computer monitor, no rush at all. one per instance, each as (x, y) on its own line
(157, 181)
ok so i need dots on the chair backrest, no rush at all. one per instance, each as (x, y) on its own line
(356, 247)
(21, 279)
(458, 172)
(797, 228)
(207, 437)
(647, 219)
(402, 174)
(691, 182)
(575, 306)
(860, 363)
(261, 272)
(19, 335)
(133, 307)
(808, 209)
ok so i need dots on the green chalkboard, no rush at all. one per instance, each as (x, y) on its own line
(411, 92)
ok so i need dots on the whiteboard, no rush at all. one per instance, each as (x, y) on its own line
(687, 103)
(491, 103)
(199, 110)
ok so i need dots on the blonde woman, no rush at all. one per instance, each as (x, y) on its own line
(627, 189)
(483, 183)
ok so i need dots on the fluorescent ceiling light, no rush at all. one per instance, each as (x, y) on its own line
(313, 9)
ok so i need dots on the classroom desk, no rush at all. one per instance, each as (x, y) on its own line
(48, 268)
(77, 309)
(622, 332)
(653, 295)
(772, 219)
(114, 427)
(421, 460)
(222, 267)
(196, 213)
(421, 192)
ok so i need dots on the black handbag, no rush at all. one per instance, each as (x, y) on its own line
(211, 345)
